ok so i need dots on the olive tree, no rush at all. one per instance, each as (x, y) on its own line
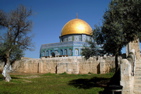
(121, 25)
(14, 36)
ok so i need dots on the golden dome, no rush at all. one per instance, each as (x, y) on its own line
(76, 26)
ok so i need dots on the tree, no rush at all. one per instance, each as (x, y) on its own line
(14, 38)
(92, 49)
(88, 52)
(121, 25)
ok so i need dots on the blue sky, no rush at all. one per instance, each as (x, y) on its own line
(49, 17)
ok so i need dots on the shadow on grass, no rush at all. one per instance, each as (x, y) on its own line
(114, 84)
(89, 83)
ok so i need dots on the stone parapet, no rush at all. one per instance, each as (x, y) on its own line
(70, 65)
(127, 80)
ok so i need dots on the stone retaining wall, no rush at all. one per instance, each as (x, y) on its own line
(70, 65)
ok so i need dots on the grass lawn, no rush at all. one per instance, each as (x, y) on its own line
(55, 84)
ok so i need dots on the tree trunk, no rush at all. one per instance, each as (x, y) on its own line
(116, 62)
(7, 69)
(5, 72)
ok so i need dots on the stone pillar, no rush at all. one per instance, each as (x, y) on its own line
(26, 69)
(77, 68)
(133, 45)
(102, 66)
(126, 77)
(40, 66)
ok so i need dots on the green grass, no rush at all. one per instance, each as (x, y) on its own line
(55, 84)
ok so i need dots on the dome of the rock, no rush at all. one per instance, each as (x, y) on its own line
(74, 36)
(76, 26)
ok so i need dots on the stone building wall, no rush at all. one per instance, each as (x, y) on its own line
(70, 65)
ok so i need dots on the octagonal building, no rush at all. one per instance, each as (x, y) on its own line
(73, 38)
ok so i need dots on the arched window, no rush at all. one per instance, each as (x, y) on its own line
(61, 52)
(70, 38)
(76, 52)
(56, 52)
(43, 53)
(70, 52)
(47, 54)
(80, 38)
(65, 52)
(76, 38)
(53, 54)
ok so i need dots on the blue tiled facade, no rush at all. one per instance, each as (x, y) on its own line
(70, 45)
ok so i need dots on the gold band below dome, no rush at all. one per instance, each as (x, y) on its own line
(76, 26)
